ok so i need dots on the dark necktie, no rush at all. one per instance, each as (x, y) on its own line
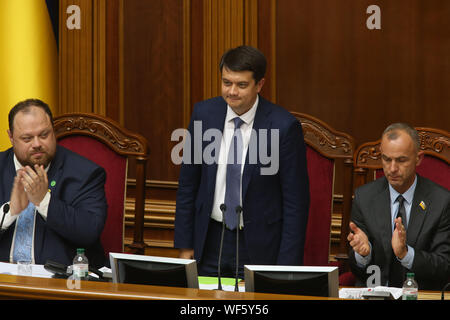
(233, 177)
(397, 272)
(402, 211)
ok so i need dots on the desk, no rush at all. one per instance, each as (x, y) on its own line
(21, 287)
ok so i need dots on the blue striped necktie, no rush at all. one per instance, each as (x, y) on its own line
(233, 177)
(23, 241)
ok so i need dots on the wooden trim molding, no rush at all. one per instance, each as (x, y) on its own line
(99, 57)
(186, 62)
(116, 137)
(324, 139)
(227, 24)
(82, 59)
(251, 23)
(157, 213)
(76, 60)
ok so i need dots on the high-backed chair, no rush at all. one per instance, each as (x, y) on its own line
(324, 146)
(435, 143)
(107, 143)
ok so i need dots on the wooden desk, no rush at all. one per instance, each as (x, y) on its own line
(20, 287)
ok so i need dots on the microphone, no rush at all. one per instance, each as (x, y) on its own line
(238, 212)
(223, 208)
(5, 211)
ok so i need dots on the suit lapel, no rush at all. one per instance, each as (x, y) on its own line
(10, 173)
(417, 214)
(261, 121)
(56, 169)
(214, 120)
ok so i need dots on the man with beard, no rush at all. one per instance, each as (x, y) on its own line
(52, 199)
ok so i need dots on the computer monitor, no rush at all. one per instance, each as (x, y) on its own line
(298, 280)
(150, 270)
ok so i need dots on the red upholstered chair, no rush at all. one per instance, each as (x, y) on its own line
(435, 143)
(324, 146)
(108, 144)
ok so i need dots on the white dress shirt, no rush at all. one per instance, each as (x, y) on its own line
(228, 131)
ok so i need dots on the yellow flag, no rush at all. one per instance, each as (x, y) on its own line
(28, 58)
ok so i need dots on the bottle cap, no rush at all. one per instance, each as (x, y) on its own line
(410, 275)
(80, 251)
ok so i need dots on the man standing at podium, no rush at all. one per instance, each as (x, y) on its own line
(401, 222)
(265, 202)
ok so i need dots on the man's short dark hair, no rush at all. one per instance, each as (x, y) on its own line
(245, 58)
(24, 106)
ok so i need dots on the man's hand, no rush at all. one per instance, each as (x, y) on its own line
(358, 240)
(398, 240)
(186, 254)
(35, 182)
(19, 199)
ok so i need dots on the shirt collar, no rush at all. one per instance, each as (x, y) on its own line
(247, 117)
(408, 194)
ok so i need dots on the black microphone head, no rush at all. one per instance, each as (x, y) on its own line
(6, 208)
(238, 209)
(223, 207)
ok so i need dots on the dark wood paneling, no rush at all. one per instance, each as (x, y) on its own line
(153, 68)
(331, 66)
(112, 41)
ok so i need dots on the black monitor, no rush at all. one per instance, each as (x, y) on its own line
(307, 281)
(150, 270)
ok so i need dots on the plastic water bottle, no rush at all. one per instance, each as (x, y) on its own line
(80, 265)
(410, 288)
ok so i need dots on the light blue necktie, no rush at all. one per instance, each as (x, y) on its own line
(23, 241)
(233, 177)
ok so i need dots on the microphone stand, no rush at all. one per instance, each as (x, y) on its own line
(238, 212)
(223, 208)
(444, 289)
(5, 211)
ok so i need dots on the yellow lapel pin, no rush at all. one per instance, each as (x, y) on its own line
(422, 205)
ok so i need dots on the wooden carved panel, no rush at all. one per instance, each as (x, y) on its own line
(118, 139)
(433, 142)
(324, 139)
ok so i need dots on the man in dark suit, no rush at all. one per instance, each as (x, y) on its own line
(64, 191)
(273, 195)
(401, 222)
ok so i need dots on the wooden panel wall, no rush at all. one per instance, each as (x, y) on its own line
(145, 63)
(330, 65)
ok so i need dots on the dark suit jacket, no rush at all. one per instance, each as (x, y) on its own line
(275, 207)
(428, 230)
(76, 213)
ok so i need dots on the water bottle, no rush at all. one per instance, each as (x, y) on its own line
(410, 288)
(80, 265)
